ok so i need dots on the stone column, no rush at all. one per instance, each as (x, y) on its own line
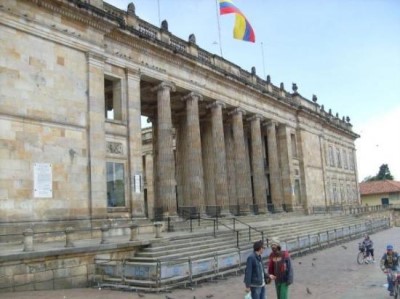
(286, 165)
(243, 180)
(220, 169)
(230, 168)
(181, 169)
(259, 180)
(97, 140)
(208, 163)
(150, 184)
(157, 204)
(274, 171)
(166, 196)
(135, 143)
(323, 166)
(193, 147)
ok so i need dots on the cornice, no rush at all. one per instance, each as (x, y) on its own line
(89, 17)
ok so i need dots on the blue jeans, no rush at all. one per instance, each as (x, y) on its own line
(390, 282)
(257, 293)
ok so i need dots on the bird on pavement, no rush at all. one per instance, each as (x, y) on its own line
(308, 291)
(141, 295)
(314, 258)
(210, 296)
(344, 247)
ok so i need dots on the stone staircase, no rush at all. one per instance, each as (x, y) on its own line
(207, 254)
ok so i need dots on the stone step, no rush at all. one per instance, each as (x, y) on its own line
(206, 257)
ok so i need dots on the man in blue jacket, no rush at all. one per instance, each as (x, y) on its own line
(390, 263)
(255, 275)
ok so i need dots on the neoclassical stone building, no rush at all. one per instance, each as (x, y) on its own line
(75, 80)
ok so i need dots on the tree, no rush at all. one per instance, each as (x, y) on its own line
(383, 174)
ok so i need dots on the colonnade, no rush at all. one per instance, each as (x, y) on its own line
(215, 169)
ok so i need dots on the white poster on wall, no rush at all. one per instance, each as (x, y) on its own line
(42, 180)
(137, 183)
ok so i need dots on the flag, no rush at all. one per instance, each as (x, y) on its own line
(242, 29)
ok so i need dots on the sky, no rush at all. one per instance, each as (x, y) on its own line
(347, 52)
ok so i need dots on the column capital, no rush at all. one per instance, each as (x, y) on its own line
(133, 73)
(216, 104)
(237, 110)
(95, 59)
(269, 123)
(192, 95)
(164, 85)
(255, 117)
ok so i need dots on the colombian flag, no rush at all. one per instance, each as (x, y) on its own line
(242, 29)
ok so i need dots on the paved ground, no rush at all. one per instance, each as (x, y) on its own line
(330, 274)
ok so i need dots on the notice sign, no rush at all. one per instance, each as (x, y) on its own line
(42, 180)
(137, 183)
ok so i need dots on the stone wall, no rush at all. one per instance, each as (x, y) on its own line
(71, 269)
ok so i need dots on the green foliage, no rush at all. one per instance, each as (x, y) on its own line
(383, 174)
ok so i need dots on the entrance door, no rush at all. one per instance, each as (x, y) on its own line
(297, 193)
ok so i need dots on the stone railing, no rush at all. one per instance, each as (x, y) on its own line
(348, 210)
(31, 239)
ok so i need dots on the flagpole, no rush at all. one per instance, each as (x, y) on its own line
(219, 28)
(262, 55)
(159, 15)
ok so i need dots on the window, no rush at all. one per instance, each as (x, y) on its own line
(112, 98)
(297, 193)
(345, 163)
(294, 145)
(342, 193)
(115, 184)
(349, 195)
(335, 194)
(339, 159)
(331, 157)
(351, 160)
(327, 156)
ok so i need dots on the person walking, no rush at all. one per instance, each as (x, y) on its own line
(255, 275)
(390, 263)
(280, 269)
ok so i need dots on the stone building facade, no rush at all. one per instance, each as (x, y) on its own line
(75, 79)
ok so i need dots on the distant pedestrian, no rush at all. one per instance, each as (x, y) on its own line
(280, 269)
(389, 264)
(255, 275)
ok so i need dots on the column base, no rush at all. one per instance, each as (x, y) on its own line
(225, 213)
(278, 209)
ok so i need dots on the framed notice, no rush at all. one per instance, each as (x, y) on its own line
(137, 183)
(42, 180)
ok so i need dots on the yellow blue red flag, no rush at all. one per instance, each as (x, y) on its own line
(242, 29)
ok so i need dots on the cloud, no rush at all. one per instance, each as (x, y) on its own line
(379, 144)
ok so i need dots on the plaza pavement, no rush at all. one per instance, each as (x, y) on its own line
(332, 273)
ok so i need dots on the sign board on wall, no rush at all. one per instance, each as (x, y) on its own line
(137, 183)
(42, 180)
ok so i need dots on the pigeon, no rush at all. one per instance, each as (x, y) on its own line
(168, 297)
(299, 263)
(308, 291)
(210, 296)
(344, 247)
(314, 258)
(140, 294)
